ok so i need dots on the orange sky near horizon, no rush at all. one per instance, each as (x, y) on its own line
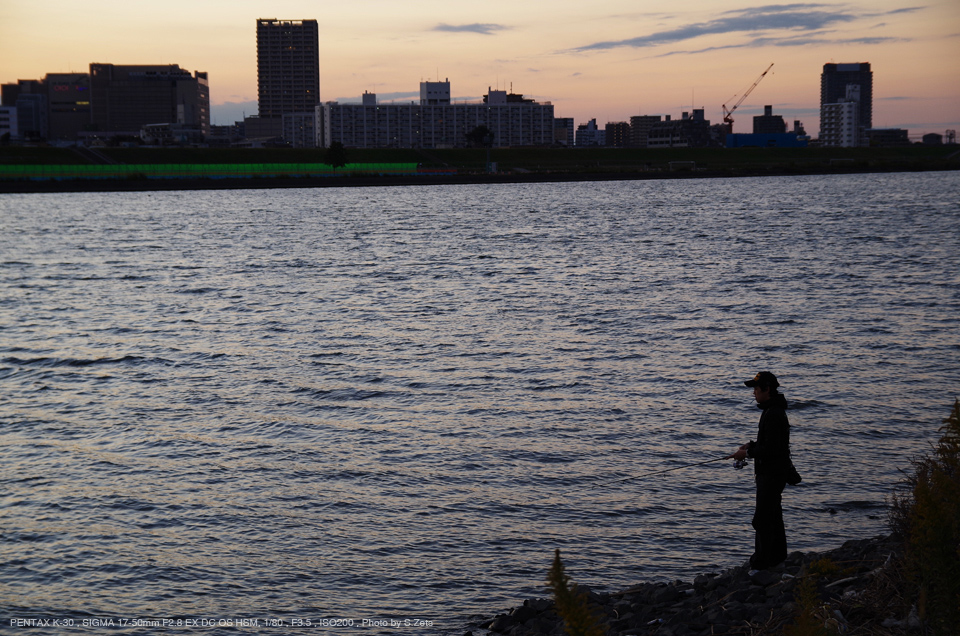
(608, 60)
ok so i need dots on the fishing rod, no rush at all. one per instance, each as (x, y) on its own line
(737, 464)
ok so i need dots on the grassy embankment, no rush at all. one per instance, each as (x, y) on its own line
(625, 161)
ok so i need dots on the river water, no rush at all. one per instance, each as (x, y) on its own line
(393, 404)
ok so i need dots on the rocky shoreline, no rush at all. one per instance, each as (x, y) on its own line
(848, 589)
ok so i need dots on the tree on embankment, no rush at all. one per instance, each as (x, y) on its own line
(336, 155)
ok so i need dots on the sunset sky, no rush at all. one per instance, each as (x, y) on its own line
(607, 59)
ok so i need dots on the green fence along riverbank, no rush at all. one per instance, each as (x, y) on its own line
(49, 169)
(60, 172)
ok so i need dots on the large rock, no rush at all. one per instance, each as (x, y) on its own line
(502, 624)
(764, 578)
(523, 613)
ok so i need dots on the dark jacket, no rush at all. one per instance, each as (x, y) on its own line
(771, 450)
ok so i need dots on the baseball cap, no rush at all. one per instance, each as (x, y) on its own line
(764, 378)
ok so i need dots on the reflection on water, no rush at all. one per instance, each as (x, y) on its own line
(396, 402)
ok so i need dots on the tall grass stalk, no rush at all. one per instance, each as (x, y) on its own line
(925, 512)
(571, 603)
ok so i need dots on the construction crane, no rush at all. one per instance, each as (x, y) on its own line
(728, 114)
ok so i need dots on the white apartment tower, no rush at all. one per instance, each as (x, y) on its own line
(840, 121)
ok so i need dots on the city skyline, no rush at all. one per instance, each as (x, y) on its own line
(607, 60)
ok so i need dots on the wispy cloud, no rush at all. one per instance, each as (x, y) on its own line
(904, 10)
(786, 18)
(805, 40)
(481, 28)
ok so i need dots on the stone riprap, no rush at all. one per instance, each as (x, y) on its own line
(737, 601)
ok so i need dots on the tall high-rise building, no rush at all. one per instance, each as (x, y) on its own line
(288, 67)
(834, 82)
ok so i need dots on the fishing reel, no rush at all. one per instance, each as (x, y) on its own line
(740, 463)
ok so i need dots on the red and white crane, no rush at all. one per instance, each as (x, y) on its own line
(728, 114)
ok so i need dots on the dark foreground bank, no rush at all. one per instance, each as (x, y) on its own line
(852, 590)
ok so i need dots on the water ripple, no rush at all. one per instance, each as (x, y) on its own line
(322, 403)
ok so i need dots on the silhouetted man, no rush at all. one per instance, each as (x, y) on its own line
(773, 469)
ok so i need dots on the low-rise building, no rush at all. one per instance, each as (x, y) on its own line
(9, 93)
(29, 99)
(125, 98)
(691, 131)
(435, 123)
(171, 134)
(589, 135)
(564, 131)
(617, 134)
(110, 101)
(888, 137)
(264, 129)
(766, 140)
(8, 123)
(68, 100)
(435, 93)
(640, 129)
(32, 117)
(224, 136)
(768, 123)
(300, 129)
